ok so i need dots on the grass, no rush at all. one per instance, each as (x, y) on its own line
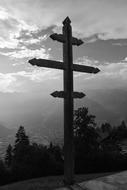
(48, 183)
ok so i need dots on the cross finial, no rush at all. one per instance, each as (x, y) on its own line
(66, 21)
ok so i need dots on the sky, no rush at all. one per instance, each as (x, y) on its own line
(25, 27)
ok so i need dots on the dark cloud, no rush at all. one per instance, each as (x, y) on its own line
(103, 50)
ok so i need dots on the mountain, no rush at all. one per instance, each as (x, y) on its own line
(106, 105)
(6, 137)
(102, 113)
(113, 100)
(5, 132)
(42, 116)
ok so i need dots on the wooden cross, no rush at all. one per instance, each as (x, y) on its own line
(68, 67)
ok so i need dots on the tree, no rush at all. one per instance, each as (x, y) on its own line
(84, 129)
(21, 137)
(56, 151)
(21, 145)
(106, 128)
(119, 133)
(85, 139)
(8, 156)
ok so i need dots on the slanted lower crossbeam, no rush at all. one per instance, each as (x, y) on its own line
(68, 95)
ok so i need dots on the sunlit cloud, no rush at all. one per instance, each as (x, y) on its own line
(125, 59)
(3, 14)
(21, 26)
(111, 75)
(33, 40)
(6, 82)
(28, 53)
(10, 29)
(91, 20)
(38, 75)
(23, 81)
(86, 61)
(105, 19)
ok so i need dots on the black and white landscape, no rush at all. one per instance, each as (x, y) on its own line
(46, 46)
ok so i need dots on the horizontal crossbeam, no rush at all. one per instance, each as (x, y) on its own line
(58, 94)
(58, 37)
(61, 94)
(85, 69)
(47, 63)
(61, 65)
(61, 38)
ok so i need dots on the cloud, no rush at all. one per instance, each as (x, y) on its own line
(23, 25)
(91, 20)
(28, 53)
(10, 29)
(38, 75)
(125, 59)
(91, 39)
(119, 44)
(3, 13)
(86, 61)
(6, 82)
(27, 81)
(111, 75)
(115, 70)
(33, 40)
(107, 19)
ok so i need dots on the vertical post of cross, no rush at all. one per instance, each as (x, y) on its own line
(68, 67)
(68, 104)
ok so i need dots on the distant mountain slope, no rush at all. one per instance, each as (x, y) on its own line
(43, 116)
(107, 106)
(7, 136)
(5, 132)
(102, 113)
(54, 121)
(114, 100)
